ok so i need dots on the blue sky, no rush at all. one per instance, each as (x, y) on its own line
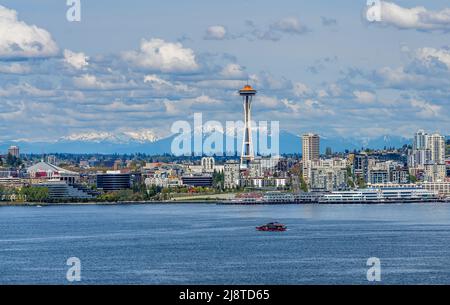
(138, 66)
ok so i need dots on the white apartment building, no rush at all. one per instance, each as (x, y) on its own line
(231, 170)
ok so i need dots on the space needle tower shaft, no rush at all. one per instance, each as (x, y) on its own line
(247, 154)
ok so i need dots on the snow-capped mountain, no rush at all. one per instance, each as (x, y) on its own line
(146, 141)
(122, 137)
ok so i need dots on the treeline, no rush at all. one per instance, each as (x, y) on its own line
(26, 193)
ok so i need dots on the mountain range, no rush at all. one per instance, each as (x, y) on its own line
(148, 143)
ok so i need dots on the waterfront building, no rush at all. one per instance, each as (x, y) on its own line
(435, 172)
(310, 147)
(379, 176)
(231, 171)
(274, 166)
(442, 188)
(436, 144)
(326, 174)
(46, 171)
(399, 175)
(163, 181)
(61, 190)
(310, 152)
(360, 166)
(197, 180)
(113, 181)
(387, 172)
(255, 168)
(263, 182)
(12, 182)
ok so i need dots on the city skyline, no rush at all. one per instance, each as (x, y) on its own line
(224, 149)
(70, 80)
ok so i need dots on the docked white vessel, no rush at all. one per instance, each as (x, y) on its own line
(381, 195)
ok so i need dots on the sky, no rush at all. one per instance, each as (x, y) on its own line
(136, 67)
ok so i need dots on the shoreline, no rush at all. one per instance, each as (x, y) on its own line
(5, 203)
(214, 202)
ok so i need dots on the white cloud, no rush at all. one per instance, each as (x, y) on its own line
(268, 102)
(229, 84)
(89, 81)
(364, 97)
(322, 93)
(161, 84)
(156, 54)
(290, 25)
(335, 90)
(300, 89)
(307, 108)
(185, 106)
(233, 71)
(75, 60)
(215, 32)
(25, 89)
(18, 39)
(275, 31)
(15, 68)
(398, 77)
(428, 55)
(426, 110)
(418, 18)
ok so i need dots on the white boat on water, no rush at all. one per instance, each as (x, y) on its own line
(381, 195)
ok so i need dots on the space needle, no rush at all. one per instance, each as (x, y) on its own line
(247, 154)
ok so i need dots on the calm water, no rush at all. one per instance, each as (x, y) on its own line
(209, 244)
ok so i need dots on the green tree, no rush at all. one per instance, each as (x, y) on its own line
(303, 185)
(361, 182)
(218, 180)
(34, 193)
(13, 161)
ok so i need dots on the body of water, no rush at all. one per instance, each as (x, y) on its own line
(215, 244)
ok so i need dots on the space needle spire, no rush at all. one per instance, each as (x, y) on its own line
(247, 154)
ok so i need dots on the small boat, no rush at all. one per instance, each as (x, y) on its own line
(272, 227)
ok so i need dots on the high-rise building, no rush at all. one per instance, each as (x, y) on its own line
(14, 151)
(420, 140)
(310, 147)
(436, 144)
(427, 149)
